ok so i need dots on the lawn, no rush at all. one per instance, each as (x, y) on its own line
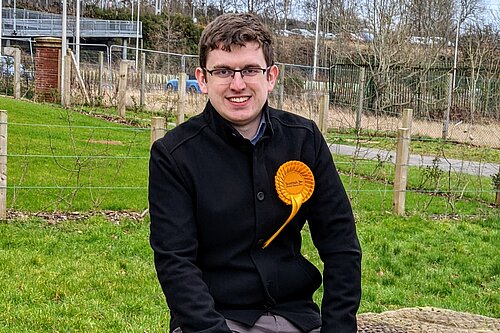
(95, 274)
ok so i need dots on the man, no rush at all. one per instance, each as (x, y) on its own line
(213, 204)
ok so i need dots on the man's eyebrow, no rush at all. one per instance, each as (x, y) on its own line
(228, 67)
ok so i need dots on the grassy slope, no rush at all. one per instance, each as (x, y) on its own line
(69, 152)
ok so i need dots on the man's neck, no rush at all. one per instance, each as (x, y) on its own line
(248, 131)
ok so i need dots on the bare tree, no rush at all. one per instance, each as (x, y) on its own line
(430, 18)
(480, 52)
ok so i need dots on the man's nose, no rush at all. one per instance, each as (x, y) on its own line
(237, 81)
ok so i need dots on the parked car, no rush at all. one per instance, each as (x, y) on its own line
(303, 32)
(192, 86)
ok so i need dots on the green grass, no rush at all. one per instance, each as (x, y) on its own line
(437, 184)
(98, 276)
(89, 276)
(442, 263)
(60, 160)
(63, 160)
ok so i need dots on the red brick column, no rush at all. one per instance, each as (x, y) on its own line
(47, 67)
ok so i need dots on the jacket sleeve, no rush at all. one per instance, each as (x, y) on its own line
(173, 238)
(333, 232)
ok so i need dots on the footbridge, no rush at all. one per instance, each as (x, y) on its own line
(30, 24)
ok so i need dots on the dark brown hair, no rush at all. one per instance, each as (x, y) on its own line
(235, 29)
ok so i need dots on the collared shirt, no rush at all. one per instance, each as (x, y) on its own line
(212, 205)
(260, 130)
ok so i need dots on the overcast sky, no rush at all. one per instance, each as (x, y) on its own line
(493, 7)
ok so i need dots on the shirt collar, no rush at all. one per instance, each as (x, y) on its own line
(260, 130)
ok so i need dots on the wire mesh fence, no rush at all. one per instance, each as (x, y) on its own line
(299, 89)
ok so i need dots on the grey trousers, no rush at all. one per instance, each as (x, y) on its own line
(267, 323)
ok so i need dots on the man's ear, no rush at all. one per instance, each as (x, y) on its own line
(202, 79)
(272, 76)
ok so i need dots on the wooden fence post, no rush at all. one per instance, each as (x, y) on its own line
(122, 88)
(497, 196)
(406, 119)
(496, 182)
(79, 77)
(181, 105)
(361, 97)
(3, 164)
(402, 156)
(143, 79)
(101, 73)
(324, 103)
(157, 128)
(446, 120)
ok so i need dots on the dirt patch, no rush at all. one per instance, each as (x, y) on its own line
(106, 142)
(57, 217)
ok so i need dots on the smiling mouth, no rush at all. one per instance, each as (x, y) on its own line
(239, 99)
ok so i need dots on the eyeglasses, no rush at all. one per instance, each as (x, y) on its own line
(226, 75)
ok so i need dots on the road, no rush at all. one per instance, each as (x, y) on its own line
(452, 165)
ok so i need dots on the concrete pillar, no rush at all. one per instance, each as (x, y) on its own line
(47, 67)
(124, 50)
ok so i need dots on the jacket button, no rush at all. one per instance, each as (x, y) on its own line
(260, 196)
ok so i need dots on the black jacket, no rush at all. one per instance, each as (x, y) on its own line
(212, 204)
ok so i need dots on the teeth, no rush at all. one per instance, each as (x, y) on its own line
(238, 99)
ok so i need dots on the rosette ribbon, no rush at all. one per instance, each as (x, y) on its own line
(294, 183)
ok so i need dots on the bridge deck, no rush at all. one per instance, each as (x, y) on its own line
(28, 23)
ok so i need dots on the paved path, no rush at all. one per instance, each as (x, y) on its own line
(469, 167)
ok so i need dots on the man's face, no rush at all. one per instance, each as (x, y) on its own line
(237, 100)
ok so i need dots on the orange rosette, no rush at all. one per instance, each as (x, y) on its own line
(294, 183)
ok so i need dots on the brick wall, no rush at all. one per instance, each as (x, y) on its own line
(47, 67)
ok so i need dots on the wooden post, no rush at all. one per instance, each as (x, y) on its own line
(497, 196)
(122, 88)
(324, 103)
(143, 79)
(101, 73)
(446, 120)
(496, 182)
(361, 97)
(402, 157)
(157, 128)
(401, 174)
(3, 164)
(16, 54)
(406, 119)
(281, 86)
(66, 93)
(78, 77)
(181, 105)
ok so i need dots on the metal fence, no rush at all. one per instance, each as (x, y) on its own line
(474, 114)
(27, 23)
(426, 91)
